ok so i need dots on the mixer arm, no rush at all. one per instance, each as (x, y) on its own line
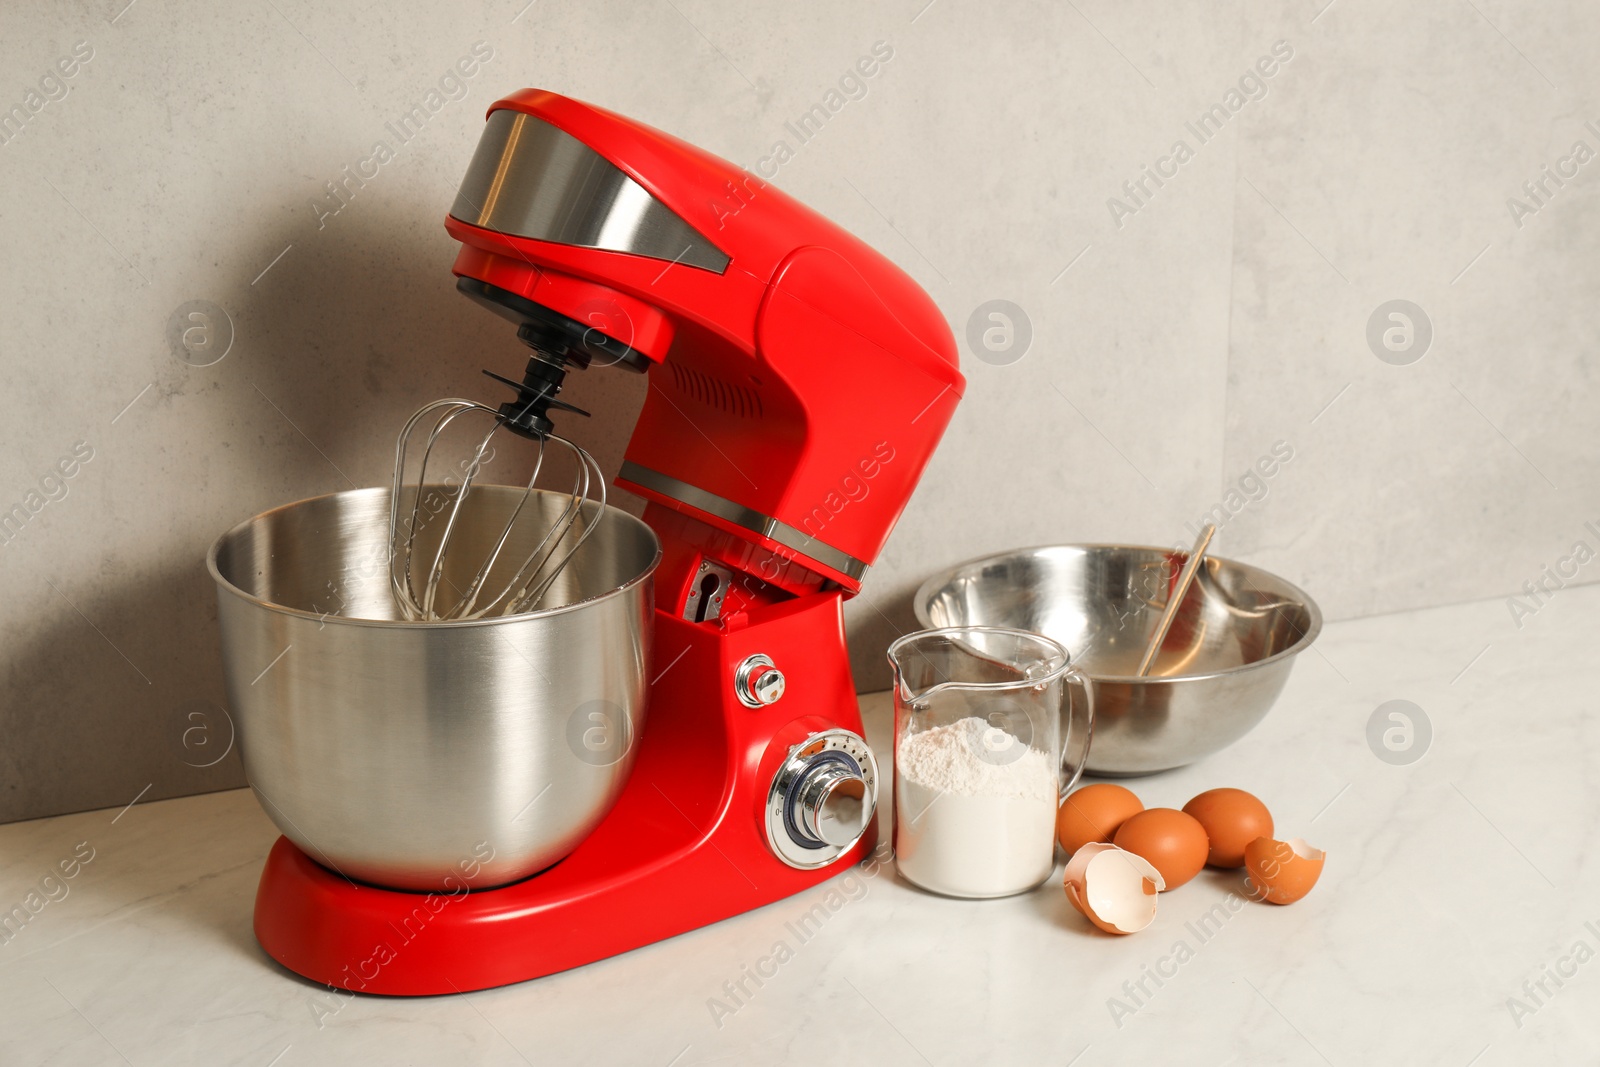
(799, 379)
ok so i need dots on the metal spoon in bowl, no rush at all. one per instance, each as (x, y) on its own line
(1197, 556)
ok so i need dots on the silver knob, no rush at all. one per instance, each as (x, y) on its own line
(832, 805)
(757, 683)
(821, 799)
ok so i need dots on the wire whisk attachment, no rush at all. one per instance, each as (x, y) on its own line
(428, 582)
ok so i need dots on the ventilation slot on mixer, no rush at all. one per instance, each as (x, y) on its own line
(716, 393)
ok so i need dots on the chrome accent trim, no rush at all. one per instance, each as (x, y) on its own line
(787, 812)
(796, 540)
(753, 694)
(530, 179)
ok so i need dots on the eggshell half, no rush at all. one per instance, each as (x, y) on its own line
(1113, 888)
(1281, 872)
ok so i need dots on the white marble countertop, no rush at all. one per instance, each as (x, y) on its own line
(1450, 883)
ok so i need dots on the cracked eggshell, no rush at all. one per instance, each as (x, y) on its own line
(1281, 872)
(1113, 888)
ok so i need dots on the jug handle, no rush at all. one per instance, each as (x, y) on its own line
(1076, 676)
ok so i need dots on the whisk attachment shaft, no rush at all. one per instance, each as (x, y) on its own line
(429, 593)
(528, 415)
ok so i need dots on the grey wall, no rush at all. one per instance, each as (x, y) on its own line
(1173, 343)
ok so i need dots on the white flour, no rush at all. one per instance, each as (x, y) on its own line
(973, 817)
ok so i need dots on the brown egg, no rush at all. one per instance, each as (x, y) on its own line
(1281, 872)
(1173, 843)
(1232, 819)
(1095, 813)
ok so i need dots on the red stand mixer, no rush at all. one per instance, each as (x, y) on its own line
(798, 383)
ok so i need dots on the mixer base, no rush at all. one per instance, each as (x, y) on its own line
(682, 848)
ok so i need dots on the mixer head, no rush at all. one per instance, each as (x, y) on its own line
(799, 380)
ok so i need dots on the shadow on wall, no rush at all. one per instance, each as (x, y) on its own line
(871, 628)
(333, 348)
(96, 730)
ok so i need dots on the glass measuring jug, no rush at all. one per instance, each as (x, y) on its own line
(986, 742)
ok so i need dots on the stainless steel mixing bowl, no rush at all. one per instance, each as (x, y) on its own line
(409, 754)
(1223, 664)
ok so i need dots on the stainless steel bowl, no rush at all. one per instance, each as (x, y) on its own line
(406, 754)
(1223, 664)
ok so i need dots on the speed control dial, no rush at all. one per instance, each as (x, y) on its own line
(822, 799)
